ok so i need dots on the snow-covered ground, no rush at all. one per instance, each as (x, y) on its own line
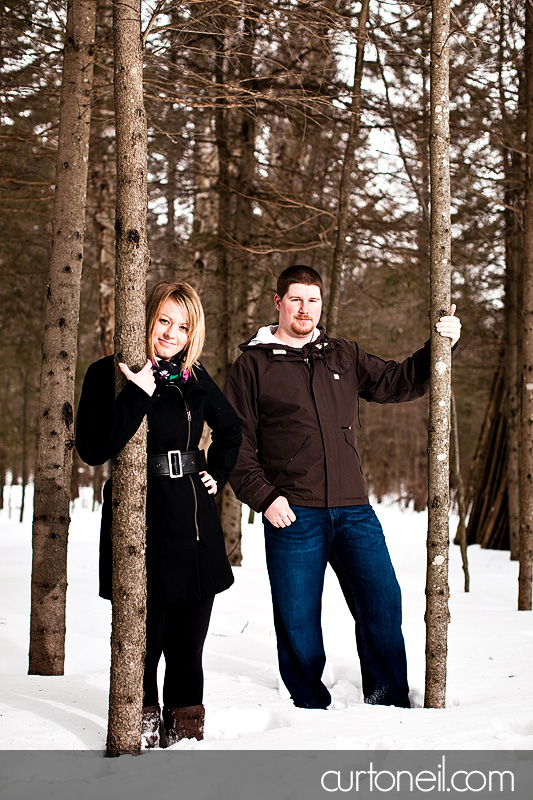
(490, 685)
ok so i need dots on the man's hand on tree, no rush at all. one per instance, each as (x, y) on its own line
(450, 326)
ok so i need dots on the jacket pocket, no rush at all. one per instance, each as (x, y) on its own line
(277, 461)
(349, 437)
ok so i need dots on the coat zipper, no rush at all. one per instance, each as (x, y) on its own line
(311, 378)
(188, 410)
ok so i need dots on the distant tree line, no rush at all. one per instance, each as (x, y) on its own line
(248, 112)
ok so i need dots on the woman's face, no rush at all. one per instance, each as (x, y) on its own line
(171, 330)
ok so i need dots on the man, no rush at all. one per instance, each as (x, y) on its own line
(296, 391)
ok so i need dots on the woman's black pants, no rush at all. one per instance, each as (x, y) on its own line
(178, 631)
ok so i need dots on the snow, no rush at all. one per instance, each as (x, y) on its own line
(490, 652)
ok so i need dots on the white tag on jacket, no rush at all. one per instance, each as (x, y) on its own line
(279, 352)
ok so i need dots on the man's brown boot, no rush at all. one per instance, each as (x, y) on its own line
(183, 723)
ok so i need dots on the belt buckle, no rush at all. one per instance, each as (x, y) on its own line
(170, 464)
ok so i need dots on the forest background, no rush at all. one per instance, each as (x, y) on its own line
(249, 108)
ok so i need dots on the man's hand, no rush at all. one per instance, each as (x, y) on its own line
(279, 513)
(144, 378)
(450, 326)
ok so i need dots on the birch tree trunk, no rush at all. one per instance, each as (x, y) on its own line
(55, 437)
(129, 466)
(437, 613)
(526, 439)
(347, 167)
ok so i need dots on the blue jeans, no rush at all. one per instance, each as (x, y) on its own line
(351, 539)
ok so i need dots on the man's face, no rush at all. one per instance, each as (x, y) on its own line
(299, 310)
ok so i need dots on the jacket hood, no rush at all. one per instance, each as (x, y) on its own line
(265, 338)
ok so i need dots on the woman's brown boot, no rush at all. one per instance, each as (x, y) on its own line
(183, 723)
(151, 722)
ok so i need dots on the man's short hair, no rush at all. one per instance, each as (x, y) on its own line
(299, 273)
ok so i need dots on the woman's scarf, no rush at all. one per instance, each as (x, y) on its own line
(169, 372)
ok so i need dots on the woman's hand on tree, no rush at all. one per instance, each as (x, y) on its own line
(144, 378)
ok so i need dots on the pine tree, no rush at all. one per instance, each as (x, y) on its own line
(56, 418)
(437, 614)
(526, 438)
(128, 534)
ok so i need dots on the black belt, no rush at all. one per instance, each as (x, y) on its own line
(177, 463)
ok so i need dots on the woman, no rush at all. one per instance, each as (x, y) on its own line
(186, 560)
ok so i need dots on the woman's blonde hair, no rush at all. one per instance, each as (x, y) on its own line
(190, 304)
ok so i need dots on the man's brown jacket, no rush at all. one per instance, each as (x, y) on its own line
(298, 409)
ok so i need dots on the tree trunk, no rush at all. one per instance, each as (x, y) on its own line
(513, 182)
(103, 180)
(488, 523)
(170, 197)
(460, 494)
(129, 466)
(347, 168)
(512, 369)
(24, 477)
(211, 262)
(437, 613)
(226, 501)
(210, 279)
(235, 139)
(526, 438)
(2, 475)
(55, 437)
(241, 273)
(76, 480)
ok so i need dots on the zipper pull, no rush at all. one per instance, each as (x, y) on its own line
(188, 415)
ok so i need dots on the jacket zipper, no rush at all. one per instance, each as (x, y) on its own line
(311, 378)
(188, 410)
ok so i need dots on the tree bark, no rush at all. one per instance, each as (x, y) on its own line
(55, 437)
(437, 613)
(235, 131)
(514, 183)
(512, 367)
(226, 500)
(241, 276)
(488, 523)
(526, 438)
(103, 180)
(460, 495)
(24, 477)
(129, 466)
(347, 168)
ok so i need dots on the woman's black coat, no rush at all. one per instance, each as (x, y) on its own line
(185, 551)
